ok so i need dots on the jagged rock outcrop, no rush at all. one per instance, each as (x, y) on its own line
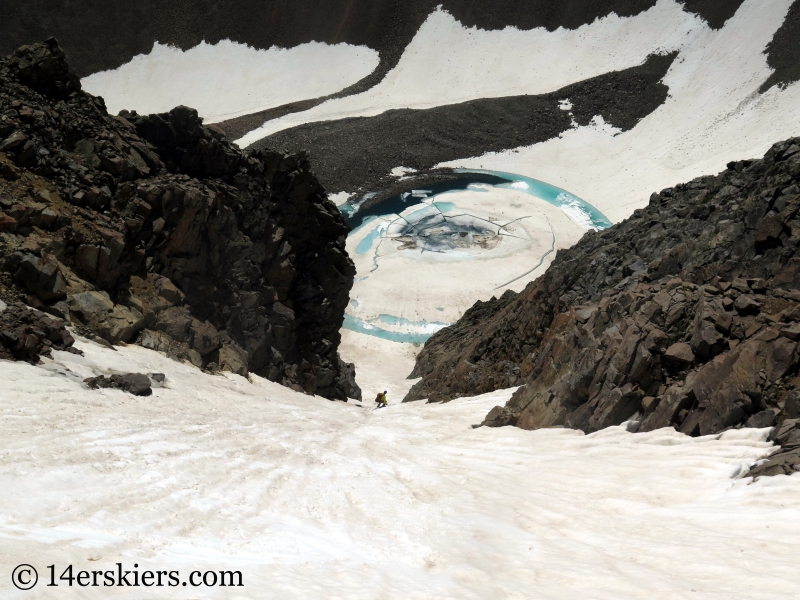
(687, 315)
(155, 229)
(28, 334)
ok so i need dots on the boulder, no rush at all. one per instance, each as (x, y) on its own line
(746, 304)
(7, 223)
(680, 353)
(232, 359)
(348, 380)
(137, 384)
(162, 342)
(499, 416)
(791, 331)
(41, 276)
(168, 291)
(90, 305)
(113, 323)
(723, 322)
(27, 334)
(176, 322)
(765, 418)
(707, 341)
(204, 337)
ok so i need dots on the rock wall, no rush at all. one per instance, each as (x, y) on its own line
(155, 229)
(685, 315)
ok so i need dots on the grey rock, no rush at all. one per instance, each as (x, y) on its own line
(168, 291)
(41, 276)
(91, 305)
(765, 418)
(746, 304)
(791, 331)
(204, 337)
(707, 341)
(348, 381)
(176, 322)
(680, 353)
(113, 323)
(137, 384)
(232, 359)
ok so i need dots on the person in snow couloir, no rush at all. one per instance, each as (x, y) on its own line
(381, 399)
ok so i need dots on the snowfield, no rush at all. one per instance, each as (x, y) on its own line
(714, 113)
(317, 499)
(228, 79)
(447, 63)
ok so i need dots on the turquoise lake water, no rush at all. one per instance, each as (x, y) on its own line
(409, 337)
(579, 209)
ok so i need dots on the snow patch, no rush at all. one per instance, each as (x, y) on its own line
(340, 198)
(402, 172)
(229, 79)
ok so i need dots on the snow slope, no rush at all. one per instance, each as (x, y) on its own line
(714, 113)
(447, 63)
(228, 79)
(318, 499)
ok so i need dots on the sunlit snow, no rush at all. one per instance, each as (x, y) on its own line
(317, 499)
(228, 79)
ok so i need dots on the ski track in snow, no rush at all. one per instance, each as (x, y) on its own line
(229, 79)
(317, 499)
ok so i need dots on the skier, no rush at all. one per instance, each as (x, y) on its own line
(381, 399)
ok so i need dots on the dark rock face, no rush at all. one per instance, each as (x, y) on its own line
(348, 380)
(42, 67)
(783, 52)
(156, 229)
(687, 315)
(715, 12)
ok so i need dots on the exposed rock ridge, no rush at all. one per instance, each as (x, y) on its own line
(158, 230)
(686, 315)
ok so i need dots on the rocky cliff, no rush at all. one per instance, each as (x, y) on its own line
(156, 230)
(685, 315)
